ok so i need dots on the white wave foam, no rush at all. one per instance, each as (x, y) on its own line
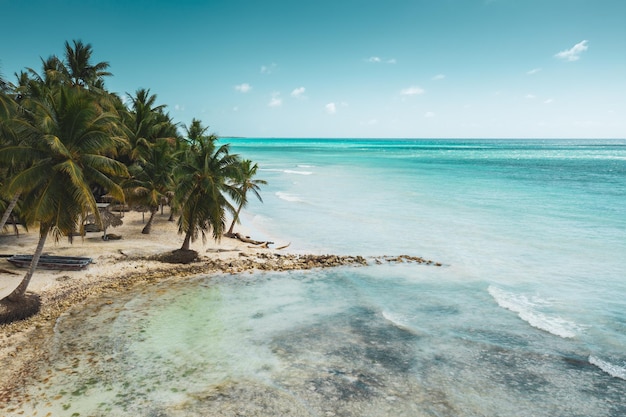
(615, 371)
(291, 171)
(288, 197)
(305, 166)
(526, 309)
(396, 320)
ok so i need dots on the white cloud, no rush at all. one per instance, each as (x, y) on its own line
(372, 122)
(275, 101)
(268, 69)
(530, 96)
(178, 107)
(533, 71)
(412, 91)
(298, 92)
(573, 54)
(548, 101)
(331, 108)
(429, 115)
(438, 77)
(235, 108)
(243, 88)
(378, 60)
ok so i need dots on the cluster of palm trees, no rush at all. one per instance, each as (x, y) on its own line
(65, 141)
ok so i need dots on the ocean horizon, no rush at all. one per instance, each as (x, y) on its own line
(526, 316)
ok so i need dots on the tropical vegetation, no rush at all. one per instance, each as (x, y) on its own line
(66, 142)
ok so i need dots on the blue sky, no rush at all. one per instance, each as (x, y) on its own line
(351, 68)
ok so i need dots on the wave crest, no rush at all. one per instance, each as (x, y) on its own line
(612, 369)
(288, 197)
(526, 309)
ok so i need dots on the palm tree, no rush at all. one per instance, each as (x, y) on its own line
(78, 68)
(204, 180)
(144, 122)
(245, 182)
(8, 111)
(151, 180)
(68, 148)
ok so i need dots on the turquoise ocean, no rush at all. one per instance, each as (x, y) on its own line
(525, 317)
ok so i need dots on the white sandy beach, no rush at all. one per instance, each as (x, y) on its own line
(107, 255)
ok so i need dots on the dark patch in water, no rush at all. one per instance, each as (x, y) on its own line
(576, 362)
(351, 361)
(440, 310)
(498, 338)
(518, 376)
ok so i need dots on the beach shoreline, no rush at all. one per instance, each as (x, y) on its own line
(118, 265)
(121, 266)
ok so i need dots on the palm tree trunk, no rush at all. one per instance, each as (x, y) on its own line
(187, 241)
(232, 225)
(148, 226)
(18, 293)
(9, 210)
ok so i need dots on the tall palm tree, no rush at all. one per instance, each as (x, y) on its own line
(204, 180)
(8, 136)
(151, 180)
(144, 122)
(245, 182)
(68, 148)
(78, 68)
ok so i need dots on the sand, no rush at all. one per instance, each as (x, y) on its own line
(117, 265)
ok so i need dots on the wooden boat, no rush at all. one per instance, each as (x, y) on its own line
(62, 263)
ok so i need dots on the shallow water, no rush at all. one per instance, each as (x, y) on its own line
(527, 316)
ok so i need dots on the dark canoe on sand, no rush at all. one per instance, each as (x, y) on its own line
(62, 263)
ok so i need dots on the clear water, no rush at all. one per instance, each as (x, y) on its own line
(527, 317)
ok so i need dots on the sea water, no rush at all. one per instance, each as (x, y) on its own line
(525, 317)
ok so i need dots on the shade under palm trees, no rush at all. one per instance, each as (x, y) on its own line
(151, 179)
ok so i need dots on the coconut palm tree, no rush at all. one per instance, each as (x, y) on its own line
(144, 123)
(68, 148)
(152, 179)
(204, 180)
(78, 68)
(245, 182)
(8, 112)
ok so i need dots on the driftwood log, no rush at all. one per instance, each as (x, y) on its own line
(246, 239)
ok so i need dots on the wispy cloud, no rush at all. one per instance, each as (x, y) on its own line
(243, 88)
(533, 71)
(276, 100)
(548, 101)
(331, 108)
(412, 91)
(379, 60)
(530, 96)
(573, 54)
(298, 92)
(429, 114)
(438, 77)
(268, 69)
(178, 107)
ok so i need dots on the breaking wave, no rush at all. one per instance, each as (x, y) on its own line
(527, 310)
(612, 369)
